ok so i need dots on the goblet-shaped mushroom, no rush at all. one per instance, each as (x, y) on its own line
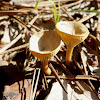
(44, 45)
(72, 33)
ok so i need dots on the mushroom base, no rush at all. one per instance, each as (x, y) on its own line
(45, 68)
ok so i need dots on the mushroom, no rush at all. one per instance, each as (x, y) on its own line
(44, 45)
(72, 33)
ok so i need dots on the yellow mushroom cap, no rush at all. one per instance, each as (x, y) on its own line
(45, 44)
(71, 32)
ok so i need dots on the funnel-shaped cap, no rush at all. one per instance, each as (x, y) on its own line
(72, 33)
(45, 44)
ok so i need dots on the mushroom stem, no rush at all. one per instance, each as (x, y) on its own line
(45, 67)
(69, 55)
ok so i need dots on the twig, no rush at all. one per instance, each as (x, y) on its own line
(36, 83)
(98, 28)
(98, 37)
(86, 72)
(67, 13)
(35, 27)
(73, 4)
(2, 51)
(15, 48)
(83, 61)
(20, 22)
(68, 72)
(24, 25)
(56, 75)
(88, 17)
(91, 50)
(93, 37)
(63, 66)
(45, 81)
(12, 12)
(33, 20)
(11, 43)
(76, 77)
(78, 65)
(92, 87)
(33, 83)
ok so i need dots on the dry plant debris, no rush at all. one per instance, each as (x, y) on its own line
(21, 77)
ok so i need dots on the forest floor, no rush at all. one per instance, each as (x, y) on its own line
(21, 76)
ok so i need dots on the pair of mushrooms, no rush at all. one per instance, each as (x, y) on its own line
(46, 44)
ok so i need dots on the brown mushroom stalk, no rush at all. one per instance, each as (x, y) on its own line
(72, 33)
(44, 45)
(45, 68)
(69, 55)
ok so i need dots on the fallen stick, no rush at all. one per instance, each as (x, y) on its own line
(16, 48)
(11, 43)
(57, 77)
(76, 77)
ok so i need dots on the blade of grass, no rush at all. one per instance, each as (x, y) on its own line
(58, 17)
(88, 11)
(55, 11)
(36, 6)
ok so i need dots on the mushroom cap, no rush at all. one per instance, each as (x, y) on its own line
(71, 32)
(45, 44)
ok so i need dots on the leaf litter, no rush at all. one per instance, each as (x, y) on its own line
(19, 21)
